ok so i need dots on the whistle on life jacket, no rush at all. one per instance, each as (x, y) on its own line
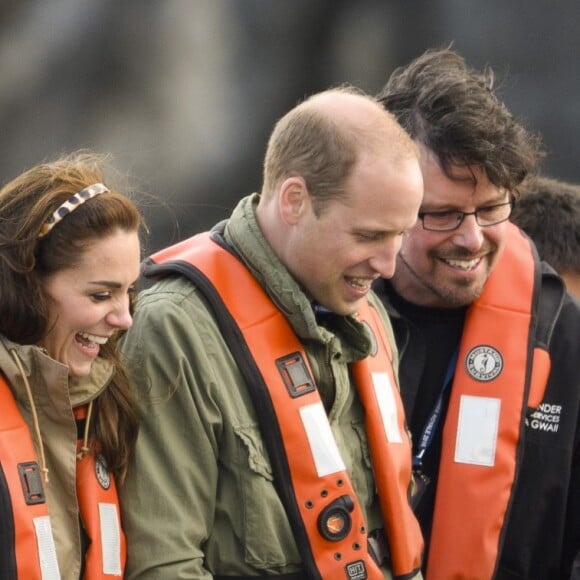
(334, 521)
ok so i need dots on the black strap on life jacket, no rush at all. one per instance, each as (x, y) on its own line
(550, 304)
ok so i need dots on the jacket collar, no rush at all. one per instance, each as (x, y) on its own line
(243, 233)
(49, 378)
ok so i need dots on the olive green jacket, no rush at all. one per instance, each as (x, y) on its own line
(200, 499)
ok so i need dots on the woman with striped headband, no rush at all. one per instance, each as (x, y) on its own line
(69, 262)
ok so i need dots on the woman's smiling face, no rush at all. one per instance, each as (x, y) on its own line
(87, 304)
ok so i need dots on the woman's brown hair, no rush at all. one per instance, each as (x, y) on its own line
(26, 204)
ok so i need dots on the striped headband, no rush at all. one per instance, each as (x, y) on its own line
(70, 205)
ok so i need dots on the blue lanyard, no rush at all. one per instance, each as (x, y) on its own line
(435, 416)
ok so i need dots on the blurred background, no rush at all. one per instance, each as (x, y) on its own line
(184, 93)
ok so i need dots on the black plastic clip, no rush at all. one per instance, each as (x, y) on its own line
(334, 521)
(31, 483)
(295, 374)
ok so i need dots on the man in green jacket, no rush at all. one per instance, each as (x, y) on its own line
(227, 450)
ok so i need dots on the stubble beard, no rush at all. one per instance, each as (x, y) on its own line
(446, 296)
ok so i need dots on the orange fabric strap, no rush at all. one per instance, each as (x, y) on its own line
(283, 369)
(490, 388)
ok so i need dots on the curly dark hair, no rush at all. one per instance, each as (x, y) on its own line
(548, 210)
(452, 110)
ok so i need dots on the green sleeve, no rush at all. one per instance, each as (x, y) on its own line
(168, 500)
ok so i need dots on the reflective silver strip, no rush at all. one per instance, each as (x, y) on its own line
(387, 406)
(322, 444)
(110, 538)
(46, 549)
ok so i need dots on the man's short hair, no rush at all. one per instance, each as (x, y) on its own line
(313, 141)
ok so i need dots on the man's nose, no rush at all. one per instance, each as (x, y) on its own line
(385, 260)
(469, 234)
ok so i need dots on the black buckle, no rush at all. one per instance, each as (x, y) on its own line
(31, 483)
(378, 547)
(295, 375)
(334, 521)
(419, 483)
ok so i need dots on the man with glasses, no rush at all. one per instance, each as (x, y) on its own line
(447, 221)
(488, 339)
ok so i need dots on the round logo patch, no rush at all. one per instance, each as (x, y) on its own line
(483, 363)
(102, 472)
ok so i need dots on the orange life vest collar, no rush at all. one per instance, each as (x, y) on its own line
(32, 535)
(312, 481)
(32, 545)
(100, 515)
(496, 366)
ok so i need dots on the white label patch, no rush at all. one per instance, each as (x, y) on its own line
(477, 430)
(110, 538)
(387, 406)
(46, 551)
(322, 444)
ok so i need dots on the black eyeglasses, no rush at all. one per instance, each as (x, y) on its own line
(447, 221)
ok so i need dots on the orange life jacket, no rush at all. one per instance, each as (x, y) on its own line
(99, 507)
(32, 548)
(312, 481)
(499, 371)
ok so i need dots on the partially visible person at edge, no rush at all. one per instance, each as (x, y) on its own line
(489, 341)
(260, 353)
(69, 259)
(548, 210)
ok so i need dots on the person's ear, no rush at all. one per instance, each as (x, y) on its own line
(294, 200)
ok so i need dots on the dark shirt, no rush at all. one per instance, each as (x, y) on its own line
(436, 333)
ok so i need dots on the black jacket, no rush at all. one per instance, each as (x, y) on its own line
(541, 536)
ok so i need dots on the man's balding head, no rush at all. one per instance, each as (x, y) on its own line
(323, 138)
